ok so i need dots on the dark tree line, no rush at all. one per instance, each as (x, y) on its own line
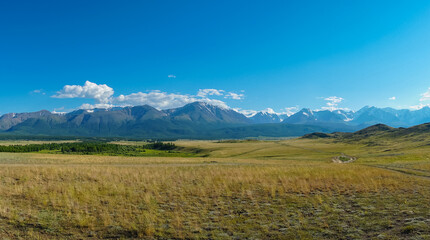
(160, 146)
(88, 147)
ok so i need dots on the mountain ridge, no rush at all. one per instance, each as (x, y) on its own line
(201, 120)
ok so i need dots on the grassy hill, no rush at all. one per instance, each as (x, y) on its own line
(379, 132)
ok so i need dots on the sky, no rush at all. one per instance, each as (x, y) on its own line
(246, 55)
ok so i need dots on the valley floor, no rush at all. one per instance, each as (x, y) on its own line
(289, 189)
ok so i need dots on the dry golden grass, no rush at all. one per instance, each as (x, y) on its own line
(266, 190)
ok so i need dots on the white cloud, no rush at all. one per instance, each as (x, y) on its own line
(332, 103)
(425, 96)
(419, 106)
(209, 92)
(392, 98)
(102, 93)
(171, 76)
(290, 110)
(163, 100)
(38, 91)
(217, 92)
(88, 106)
(156, 99)
(235, 96)
(59, 111)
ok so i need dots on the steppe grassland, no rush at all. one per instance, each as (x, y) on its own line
(260, 189)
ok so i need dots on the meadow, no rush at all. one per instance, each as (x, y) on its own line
(286, 189)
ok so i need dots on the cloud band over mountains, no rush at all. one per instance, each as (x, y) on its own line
(103, 96)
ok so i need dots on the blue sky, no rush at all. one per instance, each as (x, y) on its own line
(257, 54)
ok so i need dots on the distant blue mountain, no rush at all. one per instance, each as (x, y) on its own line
(202, 120)
(366, 116)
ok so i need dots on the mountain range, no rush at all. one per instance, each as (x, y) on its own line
(201, 120)
(366, 116)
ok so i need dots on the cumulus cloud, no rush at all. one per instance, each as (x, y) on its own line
(210, 92)
(290, 110)
(217, 92)
(87, 106)
(102, 93)
(156, 99)
(38, 91)
(425, 96)
(392, 98)
(332, 103)
(419, 106)
(171, 76)
(59, 111)
(163, 100)
(235, 96)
